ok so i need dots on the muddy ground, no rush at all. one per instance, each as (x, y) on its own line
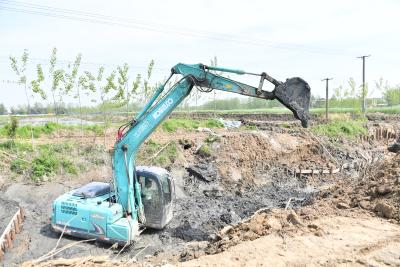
(246, 171)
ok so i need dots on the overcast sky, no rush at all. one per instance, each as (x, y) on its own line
(310, 39)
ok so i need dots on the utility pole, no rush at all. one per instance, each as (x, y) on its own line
(327, 96)
(363, 104)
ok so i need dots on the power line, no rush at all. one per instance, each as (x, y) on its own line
(327, 96)
(83, 16)
(363, 104)
(9, 81)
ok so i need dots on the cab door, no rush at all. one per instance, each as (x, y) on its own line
(168, 190)
(152, 199)
(158, 195)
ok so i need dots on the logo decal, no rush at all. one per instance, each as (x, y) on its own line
(163, 107)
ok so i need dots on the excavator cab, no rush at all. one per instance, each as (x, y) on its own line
(158, 195)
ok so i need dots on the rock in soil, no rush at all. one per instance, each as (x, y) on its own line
(294, 218)
(384, 210)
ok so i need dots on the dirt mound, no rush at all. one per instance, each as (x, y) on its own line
(263, 222)
(251, 159)
(377, 190)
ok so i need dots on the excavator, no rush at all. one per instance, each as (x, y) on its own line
(141, 196)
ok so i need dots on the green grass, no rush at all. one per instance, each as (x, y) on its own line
(212, 138)
(341, 128)
(44, 165)
(26, 131)
(158, 154)
(48, 160)
(172, 125)
(250, 127)
(19, 166)
(204, 151)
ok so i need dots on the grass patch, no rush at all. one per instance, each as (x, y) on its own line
(48, 160)
(339, 128)
(250, 127)
(19, 166)
(212, 138)
(26, 131)
(44, 165)
(15, 147)
(69, 167)
(158, 154)
(172, 125)
(204, 151)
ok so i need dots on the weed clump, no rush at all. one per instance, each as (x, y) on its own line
(153, 152)
(339, 128)
(48, 160)
(204, 151)
(12, 129)
(44, 165)
(19, 166)
(212, 138)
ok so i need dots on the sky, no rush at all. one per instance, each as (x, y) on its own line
(312, 39)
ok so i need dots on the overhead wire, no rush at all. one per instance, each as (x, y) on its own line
(84, 16)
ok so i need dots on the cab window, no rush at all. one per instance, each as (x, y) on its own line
(149, 188)
(166, 188)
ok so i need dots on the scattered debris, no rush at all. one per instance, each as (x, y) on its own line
(230, 123)
(202, 171)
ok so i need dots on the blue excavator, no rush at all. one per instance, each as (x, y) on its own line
(140, 196)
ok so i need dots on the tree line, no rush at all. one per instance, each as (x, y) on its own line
(115, 90)
(104, 88)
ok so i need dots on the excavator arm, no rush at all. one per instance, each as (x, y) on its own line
(294, 94)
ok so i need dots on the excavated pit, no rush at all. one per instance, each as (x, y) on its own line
(245, 172)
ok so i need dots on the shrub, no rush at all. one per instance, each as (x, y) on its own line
(12, 128)
(69, 167)
(44, 166)
(349, 129)
(19, 166)
(204, 151)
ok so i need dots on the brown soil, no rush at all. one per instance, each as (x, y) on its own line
(321, 236)
(247, 159)
(377, 189)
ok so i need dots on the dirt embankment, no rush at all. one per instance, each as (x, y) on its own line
(252, 159)
(377, 189)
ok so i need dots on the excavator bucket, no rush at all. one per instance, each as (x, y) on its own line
(295, 95)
